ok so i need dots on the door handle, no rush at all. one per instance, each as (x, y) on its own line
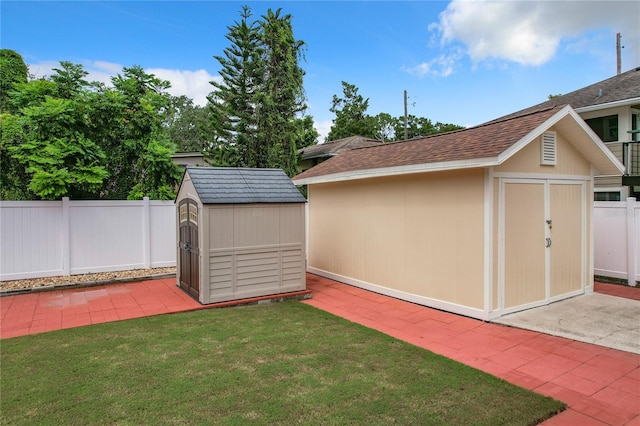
(548, 242)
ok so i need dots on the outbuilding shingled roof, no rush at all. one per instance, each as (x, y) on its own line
(331, 148)
(480, 142)
(230, 185)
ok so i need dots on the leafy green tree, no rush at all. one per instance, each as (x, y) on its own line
(351, 115)
(385, 127)
(352, 120)
(13, 175)
(59, 159)
(69, 137)
(306, 134)
(421, 126)
(12, 70)
(188, 125)
(69, 80)
(129, 122)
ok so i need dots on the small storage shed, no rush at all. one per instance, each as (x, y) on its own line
(241, 234)
(481, 222)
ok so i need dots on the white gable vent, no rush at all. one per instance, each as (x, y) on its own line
(548, 151)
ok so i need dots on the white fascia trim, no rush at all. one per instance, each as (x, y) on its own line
(399, 170)
(409, 297)
(615, 104)
(516, 175)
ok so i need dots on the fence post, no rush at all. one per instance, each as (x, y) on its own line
(66, 237)
(146, 231)
(632, 243)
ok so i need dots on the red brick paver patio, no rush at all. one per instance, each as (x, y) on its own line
(600, 385)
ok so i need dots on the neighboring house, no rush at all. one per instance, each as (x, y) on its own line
(315, 154)
(184, 159)
(612, 109)
(482, 222)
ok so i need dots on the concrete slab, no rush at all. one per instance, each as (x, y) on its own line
(595, 318)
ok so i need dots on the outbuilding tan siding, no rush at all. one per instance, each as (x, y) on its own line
(420, 234)
(570, 161)
(524, 183)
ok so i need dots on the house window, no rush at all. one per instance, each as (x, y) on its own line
(605, 127)
(606, 196)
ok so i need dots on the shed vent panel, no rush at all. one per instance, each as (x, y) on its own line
(548, 154)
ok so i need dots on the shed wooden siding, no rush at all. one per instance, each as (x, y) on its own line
(420, 234)
(254, 249)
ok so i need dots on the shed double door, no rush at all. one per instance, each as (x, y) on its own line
(189, 248)
(543, 242)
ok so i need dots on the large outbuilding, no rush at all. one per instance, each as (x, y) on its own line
(241, 234)
(482, 222)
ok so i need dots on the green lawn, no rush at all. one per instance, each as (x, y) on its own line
(282, 363)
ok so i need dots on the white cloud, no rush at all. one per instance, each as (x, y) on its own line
(530, 32)
(323, 128)
(193, 84)
(443, 65)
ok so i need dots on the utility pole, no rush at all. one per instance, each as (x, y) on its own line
(405, 116)
(619, 53)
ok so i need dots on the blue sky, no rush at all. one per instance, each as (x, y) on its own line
(462, 62)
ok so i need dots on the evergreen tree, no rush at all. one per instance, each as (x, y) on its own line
(232, 104)
(282, 97)
(257, 109)
(12, 70)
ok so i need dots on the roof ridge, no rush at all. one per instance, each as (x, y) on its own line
(488, 123)
(517, 116)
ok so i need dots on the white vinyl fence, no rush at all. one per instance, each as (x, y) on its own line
(616, 226)
(49, 238)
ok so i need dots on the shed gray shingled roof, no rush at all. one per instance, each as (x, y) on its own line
(230, 185)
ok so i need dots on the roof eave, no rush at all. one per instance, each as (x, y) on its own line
(399, 170)
(313, 157)
(614, 104)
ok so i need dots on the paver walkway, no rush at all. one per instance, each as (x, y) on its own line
(600, 385)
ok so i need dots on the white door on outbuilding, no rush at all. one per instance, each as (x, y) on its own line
(542, 237)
